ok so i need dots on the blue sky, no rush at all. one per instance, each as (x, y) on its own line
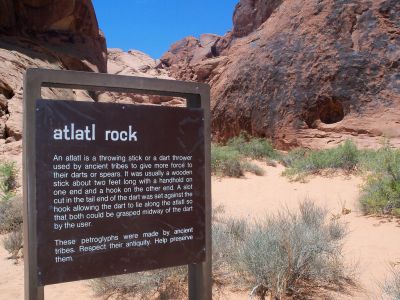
(152, 26)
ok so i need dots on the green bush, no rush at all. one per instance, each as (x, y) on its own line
(289, 251)
(290, 159)
(226, 161)
(255, 148)
(8, 173)
(381, 192)
(231, 159)
(11, 217)
(301, 163)
(252, 168)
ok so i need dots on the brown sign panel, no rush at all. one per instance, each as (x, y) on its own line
(119, 189)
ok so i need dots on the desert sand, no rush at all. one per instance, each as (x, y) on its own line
(371, 245)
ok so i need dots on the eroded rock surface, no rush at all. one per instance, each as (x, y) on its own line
(250, 14)
(65, 28)
(304, 73)
(195, 59)
(136, 63)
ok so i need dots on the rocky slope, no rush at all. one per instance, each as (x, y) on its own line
(309, 73)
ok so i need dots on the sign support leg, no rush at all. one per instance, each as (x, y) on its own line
(200, 275)
(32, 290)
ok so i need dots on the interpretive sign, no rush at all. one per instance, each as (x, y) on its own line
(115, 188)
(120, 188)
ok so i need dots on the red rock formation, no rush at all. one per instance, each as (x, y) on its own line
(47, 34)
(312, 74)
(185, 59)
(250, 14)
(53, 24)
(136, 63)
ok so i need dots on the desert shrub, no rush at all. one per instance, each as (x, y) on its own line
(223, 248)
(232, 159)
(168, 283)
(171, 283)
(8, 173)
(226, 161)
(391, 287)
(301, 163)
(13, 242)
(255, 148)
(290, 251)
(372, 160)
(252, 168)
(283, 254)
(227, 234)
(381, 192)
(11, 217)
(290, 158)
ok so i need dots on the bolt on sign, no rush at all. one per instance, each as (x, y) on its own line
(115, 188)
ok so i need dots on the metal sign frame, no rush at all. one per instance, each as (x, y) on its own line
(197, 95)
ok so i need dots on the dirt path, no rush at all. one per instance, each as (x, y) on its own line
(372, 243)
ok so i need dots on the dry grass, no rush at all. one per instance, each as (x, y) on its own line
(10, 214)
(293, 254)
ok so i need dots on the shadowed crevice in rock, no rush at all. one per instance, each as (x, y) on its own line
(6, 90)
(331, 112)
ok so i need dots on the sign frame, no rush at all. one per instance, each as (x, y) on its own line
(197, 95)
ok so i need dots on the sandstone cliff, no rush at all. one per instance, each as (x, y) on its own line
(309, 73)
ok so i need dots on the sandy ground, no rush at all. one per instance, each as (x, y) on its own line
(12, 284)
(372, 244)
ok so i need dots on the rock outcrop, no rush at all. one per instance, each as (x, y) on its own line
(43, 34)
(195, 59)
(136, 63)
(250, 14)
(55, 24)
(304, 73)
